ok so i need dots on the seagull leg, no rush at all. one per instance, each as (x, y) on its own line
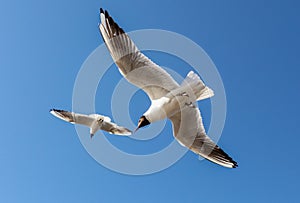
(190, 105)
(183, 94)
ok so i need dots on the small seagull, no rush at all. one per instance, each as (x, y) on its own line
(168, 98)
(94, 121)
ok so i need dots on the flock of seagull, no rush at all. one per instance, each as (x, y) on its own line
(168, 98)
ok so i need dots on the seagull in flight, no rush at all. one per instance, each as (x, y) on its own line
(168, 98)
(94, 121)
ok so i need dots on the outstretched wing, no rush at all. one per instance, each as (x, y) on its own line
(133, 65)
(113, 128)
(188, 129)
(73, 117)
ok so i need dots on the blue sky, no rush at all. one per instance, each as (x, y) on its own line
(255, 46)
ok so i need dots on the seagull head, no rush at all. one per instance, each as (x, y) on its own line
(143, 121)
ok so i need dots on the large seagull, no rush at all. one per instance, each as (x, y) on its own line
(168, 98)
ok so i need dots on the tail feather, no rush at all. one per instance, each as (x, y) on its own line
(200, 90)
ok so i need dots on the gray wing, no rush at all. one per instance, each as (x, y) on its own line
(113, 128)
(73, 117)
(133, 65)
(188, 129)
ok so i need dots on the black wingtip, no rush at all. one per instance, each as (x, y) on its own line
(57, 110)
(106, 14)
(54, 110)
(110, 20)
(235, 165)
(101, 10)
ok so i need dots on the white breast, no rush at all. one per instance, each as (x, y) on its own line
(156, 111)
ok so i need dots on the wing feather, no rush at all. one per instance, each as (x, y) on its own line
(113, 128)
(188, 129)
(73, 117)
(133, 65)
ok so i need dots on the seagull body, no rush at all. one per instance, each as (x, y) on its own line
(94, 121)
(168, 98)
(178, 99)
